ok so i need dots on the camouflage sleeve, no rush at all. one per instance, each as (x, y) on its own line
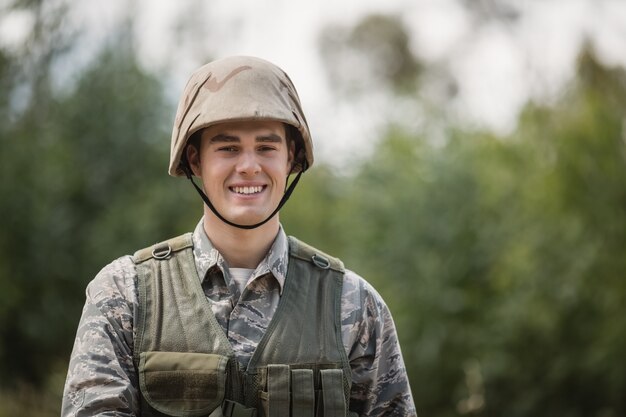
(380, 386)
(101, 378)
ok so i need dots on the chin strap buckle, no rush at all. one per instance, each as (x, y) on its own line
(235, 409)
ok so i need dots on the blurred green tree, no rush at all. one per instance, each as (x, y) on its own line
(375, 52)
(502, 257)
(86, 170)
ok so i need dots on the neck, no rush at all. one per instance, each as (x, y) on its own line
(241, 248)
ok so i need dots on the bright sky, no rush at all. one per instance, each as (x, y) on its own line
(498, 67)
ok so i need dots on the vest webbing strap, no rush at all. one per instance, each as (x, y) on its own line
(278, 390)
(164, 249)
(302, 393)
(332, 393)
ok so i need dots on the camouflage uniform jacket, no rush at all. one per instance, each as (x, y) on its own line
(102, 379)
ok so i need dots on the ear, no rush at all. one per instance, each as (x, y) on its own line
(193, 157)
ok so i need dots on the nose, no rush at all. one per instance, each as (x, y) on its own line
(248, 163)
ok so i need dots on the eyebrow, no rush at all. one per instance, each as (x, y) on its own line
(224, 138)
(272, 138)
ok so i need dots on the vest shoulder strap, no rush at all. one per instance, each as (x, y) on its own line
(306, 252)
(163, 249)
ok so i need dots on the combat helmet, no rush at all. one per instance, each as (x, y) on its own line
(239, 88)
(236, 89)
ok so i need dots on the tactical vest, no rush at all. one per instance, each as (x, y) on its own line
(186, 365)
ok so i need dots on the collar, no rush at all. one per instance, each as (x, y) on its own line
(274, 262)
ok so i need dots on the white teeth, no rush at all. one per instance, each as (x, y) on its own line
(247, 190)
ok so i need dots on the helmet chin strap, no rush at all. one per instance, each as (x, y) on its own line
(206, 200)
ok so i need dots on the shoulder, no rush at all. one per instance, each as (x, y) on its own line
(118, 279)
(114, 283)
(357, 293)
(365, 318)
(360, 298)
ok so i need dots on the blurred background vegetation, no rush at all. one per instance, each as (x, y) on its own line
(502, 257)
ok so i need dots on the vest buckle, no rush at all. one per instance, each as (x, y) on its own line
(235, 409)
(162, 251)
(320, 261)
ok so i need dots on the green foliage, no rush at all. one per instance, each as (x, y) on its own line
(501, 258)
(313, 211)
(87, 172)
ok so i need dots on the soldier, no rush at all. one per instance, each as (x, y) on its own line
(236, 318)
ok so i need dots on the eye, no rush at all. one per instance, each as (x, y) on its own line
(266, 148)
(227, 149)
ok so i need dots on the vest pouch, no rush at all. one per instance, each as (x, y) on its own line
(275, 402)
(291, 393)
(183, 384)
(333, 401)
(302, 393)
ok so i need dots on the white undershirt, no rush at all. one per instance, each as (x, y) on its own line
(240, 276)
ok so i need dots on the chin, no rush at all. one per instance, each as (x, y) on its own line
(247, 218)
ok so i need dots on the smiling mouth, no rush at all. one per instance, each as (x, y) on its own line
(247, 190)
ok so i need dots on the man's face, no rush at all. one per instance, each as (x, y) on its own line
(244, 168)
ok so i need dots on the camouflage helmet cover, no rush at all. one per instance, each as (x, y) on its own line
(236, 89)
